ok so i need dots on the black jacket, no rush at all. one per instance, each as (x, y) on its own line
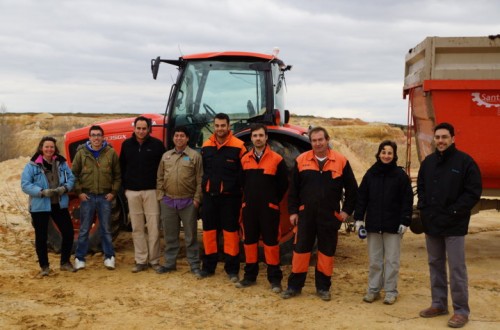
(385, 195)
(139, 163)
(448, 187)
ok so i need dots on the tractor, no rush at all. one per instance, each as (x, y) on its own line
(249, 87)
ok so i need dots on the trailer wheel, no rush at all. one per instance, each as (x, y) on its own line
(54, 238)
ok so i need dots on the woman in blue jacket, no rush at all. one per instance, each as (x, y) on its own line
(47, 180)
(386, 198)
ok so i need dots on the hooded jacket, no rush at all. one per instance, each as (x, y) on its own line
(386, 197)
(448, 186)
(33, 181)
(97, 175)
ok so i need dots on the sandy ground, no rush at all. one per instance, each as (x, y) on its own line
(97, 298)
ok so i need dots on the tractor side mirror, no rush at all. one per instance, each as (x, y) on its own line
(155, 66)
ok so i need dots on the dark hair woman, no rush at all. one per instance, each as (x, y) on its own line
(386, 198)
(47, 180)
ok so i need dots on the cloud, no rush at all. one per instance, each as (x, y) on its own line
(347, 56)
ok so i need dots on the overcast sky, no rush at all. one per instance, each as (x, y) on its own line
(347, 56)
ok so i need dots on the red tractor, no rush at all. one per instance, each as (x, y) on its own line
(249, 87)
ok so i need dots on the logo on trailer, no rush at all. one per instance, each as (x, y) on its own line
(486, 100)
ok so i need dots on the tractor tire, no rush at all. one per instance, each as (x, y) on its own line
(117, 215)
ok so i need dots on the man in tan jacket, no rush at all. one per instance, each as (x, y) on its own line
(179, 189)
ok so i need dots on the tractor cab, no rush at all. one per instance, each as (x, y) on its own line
(249, 87)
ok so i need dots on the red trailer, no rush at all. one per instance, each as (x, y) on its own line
(457, 80)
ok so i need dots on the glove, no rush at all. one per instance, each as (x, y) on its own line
(358, 224)
(49, 192)
(402, 229)
(60, 190)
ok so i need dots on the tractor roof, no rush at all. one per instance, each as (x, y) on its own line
(227, 54)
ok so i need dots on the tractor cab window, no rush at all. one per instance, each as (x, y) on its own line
(210, 87)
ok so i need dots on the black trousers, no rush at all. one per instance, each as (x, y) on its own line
(63, 222)
(220, 214)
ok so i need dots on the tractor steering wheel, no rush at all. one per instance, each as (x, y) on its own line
(209, 110)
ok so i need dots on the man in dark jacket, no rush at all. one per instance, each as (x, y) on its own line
(221, 187)
(265, 182)
(139, 160)
(320, 178)
(449, 185)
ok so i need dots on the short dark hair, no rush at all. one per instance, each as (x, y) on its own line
(447, 126)
(319, 129)
(222, 116)
(142, 118)
(43, 140)
(182, 129)
(256, 127)
(96, 128)
(391, 144)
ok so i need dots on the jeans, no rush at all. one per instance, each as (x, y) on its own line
(87, 211)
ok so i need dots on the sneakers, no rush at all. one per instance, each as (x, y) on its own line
(433, 312)
(164, 269)
(68, 267)
(276, 287)
(233, 277)
(324, 295)
(109, 263)
(390, 300)
(371, 297)
(290, 293)
(45, 271)
(139, 268)
(79, 264)
(244, 283)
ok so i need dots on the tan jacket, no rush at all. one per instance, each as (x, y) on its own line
(179, 175)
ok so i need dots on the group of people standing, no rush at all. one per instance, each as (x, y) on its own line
(169, 186)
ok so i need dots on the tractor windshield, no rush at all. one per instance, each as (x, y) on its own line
(210, 87)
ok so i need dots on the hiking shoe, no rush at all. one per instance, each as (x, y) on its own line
(276, 287)
(197, 273)
(154, 266)
(45, 271)
(244, 283)
(290, 293)
(68, 267)
(458, 320)
(390, 300)
(233, 277)
(432, 312)
(371, 297)
(139, 268)
(164, 269)
(79, 264)
(205, 273)
(109, 263)
(324, 295)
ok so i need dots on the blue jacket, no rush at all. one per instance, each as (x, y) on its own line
(33, 180)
